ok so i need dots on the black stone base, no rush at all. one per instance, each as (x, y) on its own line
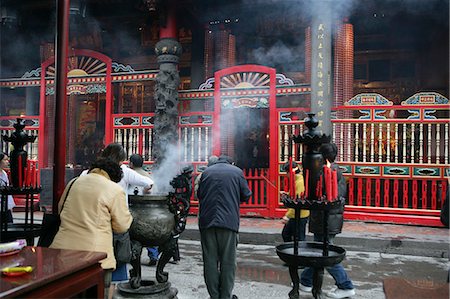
(149, 289)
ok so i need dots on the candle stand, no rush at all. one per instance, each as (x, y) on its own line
(24, 182)
(317, 255)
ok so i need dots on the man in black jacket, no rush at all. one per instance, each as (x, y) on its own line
(335, 221)
(221, 189)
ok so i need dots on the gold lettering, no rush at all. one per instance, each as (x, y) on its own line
(320, 93)
(320, 84)
(320, 65)
(320, 123)
(319, 74)
(320, 113)
(321, 27)
(320, 55)
(320, 36)
(320, 103)
(320, 46)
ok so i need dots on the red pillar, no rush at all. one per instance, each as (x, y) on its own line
(62, 42)
(170, 30)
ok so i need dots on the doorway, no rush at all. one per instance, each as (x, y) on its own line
(246, 133)
(85, 128)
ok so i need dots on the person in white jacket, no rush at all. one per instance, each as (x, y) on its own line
(116, 153)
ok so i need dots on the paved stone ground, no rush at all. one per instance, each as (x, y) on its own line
(374, 252)
(356, 236)
(261, 274)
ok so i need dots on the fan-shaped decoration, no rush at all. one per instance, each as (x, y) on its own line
(245, 80)
(81, 66)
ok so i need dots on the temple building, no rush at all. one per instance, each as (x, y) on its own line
(241, 76)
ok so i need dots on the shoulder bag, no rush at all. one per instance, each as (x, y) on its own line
(122, 247)
(50, 224)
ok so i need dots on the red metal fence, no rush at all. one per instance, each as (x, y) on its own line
(394, 156)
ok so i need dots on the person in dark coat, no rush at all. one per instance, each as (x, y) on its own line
(221, 189)
(344, 285)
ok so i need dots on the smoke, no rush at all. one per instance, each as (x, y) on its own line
(282, 44)
(280, 55)
(167, 170)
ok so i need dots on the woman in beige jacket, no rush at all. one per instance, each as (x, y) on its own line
(95, 207)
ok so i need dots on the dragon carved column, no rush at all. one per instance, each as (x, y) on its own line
(168, 50)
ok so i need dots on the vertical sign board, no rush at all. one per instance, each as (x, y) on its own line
(321, 65)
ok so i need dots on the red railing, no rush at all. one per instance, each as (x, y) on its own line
(395, 157)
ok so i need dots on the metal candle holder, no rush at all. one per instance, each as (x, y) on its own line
(21, 185)
(310, 254)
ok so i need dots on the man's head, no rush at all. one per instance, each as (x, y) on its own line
(329, 151)
(187, 170)
(136, 161)
(212, 160)
(201, 168)
(225, 158)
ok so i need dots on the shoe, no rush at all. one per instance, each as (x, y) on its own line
(340, 293)
(234, 297)
(152, 262)
(305, 289)
(174, 262)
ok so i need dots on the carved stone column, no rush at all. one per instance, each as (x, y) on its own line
(168, 51)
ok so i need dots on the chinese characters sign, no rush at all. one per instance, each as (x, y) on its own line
(321, 69)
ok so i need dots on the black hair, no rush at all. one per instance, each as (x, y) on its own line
(2, 155)
(137, 160)
(329, 151)
(114, 152)
(286, 166)
(187, 169)
(110, 167)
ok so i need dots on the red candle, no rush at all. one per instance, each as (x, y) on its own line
(33, 175)
(335, 184)
(28, 174)
(328, 188)
(291, 179)
(36, 176)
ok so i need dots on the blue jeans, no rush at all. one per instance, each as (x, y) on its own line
(152, 253)
(120, 274)
(337, 271)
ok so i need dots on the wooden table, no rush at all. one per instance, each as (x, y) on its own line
(56, 273)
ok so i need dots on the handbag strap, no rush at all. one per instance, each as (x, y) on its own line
(67, 193)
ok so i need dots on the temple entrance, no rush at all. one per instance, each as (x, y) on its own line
(245, 127)
(89, 108)
(251, 143)
(85, 128)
